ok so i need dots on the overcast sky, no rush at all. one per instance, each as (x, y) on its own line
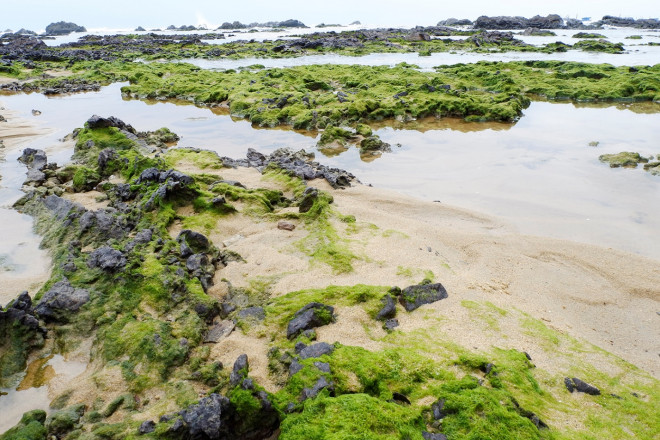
(115, 14)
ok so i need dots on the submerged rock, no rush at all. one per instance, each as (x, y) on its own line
(413, 297)
(63, 28)
(60, 300)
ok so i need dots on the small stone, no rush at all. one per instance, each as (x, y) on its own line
(391, 324)
(286, 226)
(220, 331)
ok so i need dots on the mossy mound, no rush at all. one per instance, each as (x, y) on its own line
(624, 159)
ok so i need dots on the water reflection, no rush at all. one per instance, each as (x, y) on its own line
(32, 392)
(539, 174)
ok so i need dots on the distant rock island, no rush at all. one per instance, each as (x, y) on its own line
(63, 28)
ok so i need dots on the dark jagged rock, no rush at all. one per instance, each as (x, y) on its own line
(105, 157)
(321, 384)
(309, 196)
(291, 23)
(63, 28)
(389, 308)
(147, 427)
(437, 409)
(207, 419)
(34, 159)
(60, 301)
(413, 297)
(495, 37)
(316, 350)
(239, 371)
(552, 21)
(21, 332)
(322, 366)
(310, 316)
(97, 121)
(61, 208)
(575, 384)
(195, 241)
(455, 22)
(295, 367)
(644, 23)
(299, 163)
(107, 259)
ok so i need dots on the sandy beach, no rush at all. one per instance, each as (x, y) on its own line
(606, 297)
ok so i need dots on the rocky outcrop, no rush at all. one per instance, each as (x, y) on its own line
(60, 301)
(643, 23)
(299, 163)
(310, 316)
(63, 28)
(552, 21)
(291, 23)
(21, 332)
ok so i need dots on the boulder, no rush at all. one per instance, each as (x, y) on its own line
(60, 301)
(291, 23)
(97, 121)
(63, 28)
(416, 296)
(147, 427)
(310, 316)
(107, 259)
(192, 242)
(208, 418)
(34, 159)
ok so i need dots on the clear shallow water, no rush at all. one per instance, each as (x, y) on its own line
(539, 174)
(16, 401)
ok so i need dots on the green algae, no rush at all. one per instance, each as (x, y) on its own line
(624, 159)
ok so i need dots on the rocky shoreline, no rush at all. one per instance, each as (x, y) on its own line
(214, 330)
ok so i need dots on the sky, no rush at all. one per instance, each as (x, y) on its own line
(119, 14)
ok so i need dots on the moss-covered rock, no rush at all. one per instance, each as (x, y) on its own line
(31, 427)
(625, 159)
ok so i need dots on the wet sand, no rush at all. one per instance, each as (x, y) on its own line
(607, 297)
(23, 266)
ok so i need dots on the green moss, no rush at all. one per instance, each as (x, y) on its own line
(624, 159)
(588, 35)
(599, 46)
(31, 427)
(202, 159)
(354, 416)
(85, 179)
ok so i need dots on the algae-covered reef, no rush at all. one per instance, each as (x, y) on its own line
(320, 96)
(137, 280)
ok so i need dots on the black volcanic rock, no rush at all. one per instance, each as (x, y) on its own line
(552, 21)
(63, 28)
